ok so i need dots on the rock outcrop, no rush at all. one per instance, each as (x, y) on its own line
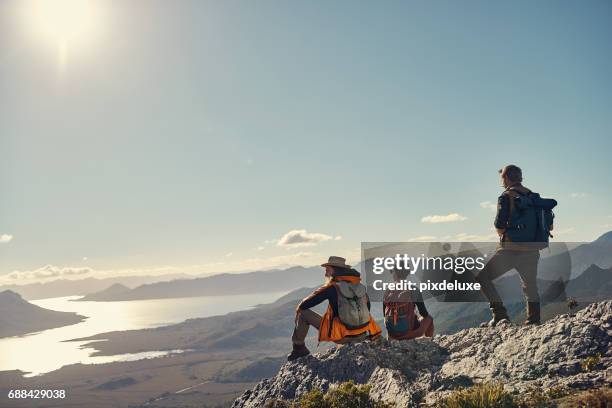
(423, 370)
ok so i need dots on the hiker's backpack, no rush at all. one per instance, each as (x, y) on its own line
(399, 314)
(353, 309)
(531, 218)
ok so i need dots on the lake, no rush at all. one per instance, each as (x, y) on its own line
(45, 351)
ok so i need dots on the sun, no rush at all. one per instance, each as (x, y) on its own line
(65, 25)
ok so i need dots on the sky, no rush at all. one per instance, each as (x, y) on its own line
(210, 136)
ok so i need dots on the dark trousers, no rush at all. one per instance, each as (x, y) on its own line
(305, 319)
(525, 263)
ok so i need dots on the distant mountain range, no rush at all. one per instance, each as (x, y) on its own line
(553, 267)
(268, 326)
(594, 284)
(80, 287)
(18, 317)
(581, 257)
(216, 285)
(116, 289)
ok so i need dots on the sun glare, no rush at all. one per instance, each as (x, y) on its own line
(65, 25)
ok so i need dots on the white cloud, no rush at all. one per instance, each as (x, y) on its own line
(274, 261)
(259, 263)
(338, 238)
(301, 237)
(578, 195)
(422, 238)
(565, 231)
(229, 254)
(261, 248)
(434, 219)
(465, 237)
(224, 265)
(475, 237)
(488, 205)
(49, 271)
(4, 238)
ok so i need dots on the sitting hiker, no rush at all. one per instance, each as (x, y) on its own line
(347, 318)
(399, 307)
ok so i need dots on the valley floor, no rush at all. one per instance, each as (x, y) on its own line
(186, 380)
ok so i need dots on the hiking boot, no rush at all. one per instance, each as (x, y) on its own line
(533, 313)
(493, 322)
(499, 315)
(299, 350)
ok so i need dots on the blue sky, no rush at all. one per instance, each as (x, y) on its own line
(192, 136)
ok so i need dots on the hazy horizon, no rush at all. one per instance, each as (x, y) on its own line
(205, 137)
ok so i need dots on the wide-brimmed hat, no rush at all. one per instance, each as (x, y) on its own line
(336, 262)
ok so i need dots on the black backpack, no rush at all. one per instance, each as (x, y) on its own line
(531, 218)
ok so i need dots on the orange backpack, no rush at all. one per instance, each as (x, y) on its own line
(333, 329)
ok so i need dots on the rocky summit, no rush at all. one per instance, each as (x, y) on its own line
(419, 372)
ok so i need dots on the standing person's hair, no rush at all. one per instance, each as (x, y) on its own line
(512, 172)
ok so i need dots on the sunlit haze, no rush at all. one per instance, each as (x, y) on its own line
(63, 25)
(152, 137)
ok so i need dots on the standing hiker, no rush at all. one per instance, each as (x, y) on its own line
(523, 223)
(347, 318)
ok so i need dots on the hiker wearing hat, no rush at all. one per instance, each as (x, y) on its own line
(347, 318)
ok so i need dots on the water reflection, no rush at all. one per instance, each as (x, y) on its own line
(48, 350)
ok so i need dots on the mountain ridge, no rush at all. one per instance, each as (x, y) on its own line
(113, 290)
(80, 287)
(219, 284)
(20, 317)
(421, 371)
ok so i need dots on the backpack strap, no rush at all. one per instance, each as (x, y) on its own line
(512, 193)
(338, 294)
(517, 192)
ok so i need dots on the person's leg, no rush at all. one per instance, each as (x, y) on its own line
(422, 327)
(500, 263)
(305, 319)
(430, 330)
(528, 271)
(425, 327)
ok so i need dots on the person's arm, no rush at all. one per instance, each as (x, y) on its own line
(422, 309)
(318, 296)
(503, 214)
(417, 299)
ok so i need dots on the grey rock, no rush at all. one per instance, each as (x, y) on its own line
(419, 372)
